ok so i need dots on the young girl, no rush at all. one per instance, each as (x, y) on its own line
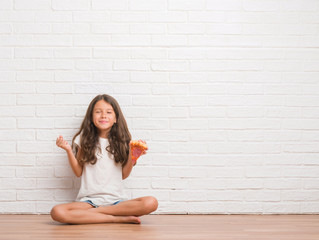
(102, 159)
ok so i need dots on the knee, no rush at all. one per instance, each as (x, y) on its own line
(58, 214)
(150, 204)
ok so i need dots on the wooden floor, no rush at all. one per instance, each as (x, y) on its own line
(164, 227)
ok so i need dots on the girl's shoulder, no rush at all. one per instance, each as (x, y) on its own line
(77, 140)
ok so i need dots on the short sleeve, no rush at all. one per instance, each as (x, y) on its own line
(77, 140)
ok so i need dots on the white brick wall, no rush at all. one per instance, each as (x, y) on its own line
(226, 93)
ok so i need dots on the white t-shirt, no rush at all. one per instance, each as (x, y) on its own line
(101, 183)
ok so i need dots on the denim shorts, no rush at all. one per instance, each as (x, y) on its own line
(96, 206)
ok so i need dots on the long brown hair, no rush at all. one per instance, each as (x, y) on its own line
(119, 136)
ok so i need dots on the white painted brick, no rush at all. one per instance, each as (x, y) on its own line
(34, 99)
(8, 196)
(70, 5)
(168, 17)
(6, 52)
(34, 147)
(131, 40)
(54, 88)
(5, 4)
(226, 195)
(17, 135)
(296, 5)
(35, 76)
(263, 5)
(243, 207)
(91, 40)
(110, 28)
(186, 28)
(165, 89)
(311, 183)
(206, 208)
(53, 40)
(139, 183)
(54, 183)
(17, 111)
(183, 101)
(136, 65)
(185, 172)
(207, 16)
(109, 5)
(33, 53)
(117, 77)
(169, 112)
(188, 147)
(158, 124)
(206, 184)
(144, 5)
(262, 196)
(29, 28)
(54, 112)
(176, 77)
(129, 16)
(52, 16)
(169, 40)
(167, 183)
(184, 5)
(169, 65)
(133, 89)
(93, 65)
(38, 172)
(17, 183)
(54, 64)
(188, 196)
(29, 195)
(27, 123)
(32, 5)
(17, 160)
(74, 28)
(226, 29)
(16, 64)
(111, 53)
(93, 88)
(227, 5)
(72, 53)
(146, 28)
(63, 172)
(149, 171)
(18, 207)
(151, 53)
(92, 16)
(150, 101)
(189, 124)
(7, 172)
(207, 135)
(62, 76)
(160, 77)
(7, 123)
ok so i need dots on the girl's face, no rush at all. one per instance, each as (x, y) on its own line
(103, 117)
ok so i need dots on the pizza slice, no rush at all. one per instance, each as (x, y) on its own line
(138, 148)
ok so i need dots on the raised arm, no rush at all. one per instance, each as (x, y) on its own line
(74, 163)
(127, 168)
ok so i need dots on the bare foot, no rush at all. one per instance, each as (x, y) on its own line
(127, 219)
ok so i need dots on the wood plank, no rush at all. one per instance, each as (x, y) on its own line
(172, 227)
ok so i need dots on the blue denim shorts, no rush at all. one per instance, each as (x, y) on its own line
(96, 206)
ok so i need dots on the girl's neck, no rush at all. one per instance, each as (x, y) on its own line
(103, 134)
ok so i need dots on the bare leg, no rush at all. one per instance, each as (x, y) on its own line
(78, 213)
(135, 207)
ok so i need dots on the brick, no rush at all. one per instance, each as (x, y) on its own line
(70, 5)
